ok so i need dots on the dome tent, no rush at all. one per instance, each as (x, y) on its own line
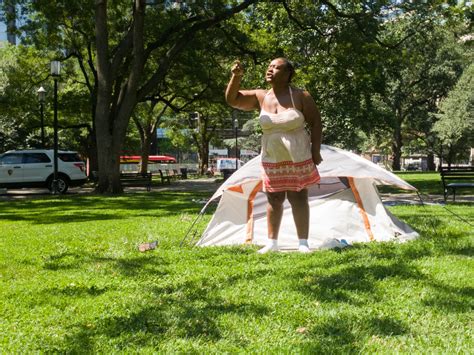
(344, 205)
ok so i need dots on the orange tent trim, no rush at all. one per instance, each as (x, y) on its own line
(250, 220)
(363, 213)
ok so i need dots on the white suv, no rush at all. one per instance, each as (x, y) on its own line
(34, 168)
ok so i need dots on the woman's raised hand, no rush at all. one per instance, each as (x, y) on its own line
(237, 68)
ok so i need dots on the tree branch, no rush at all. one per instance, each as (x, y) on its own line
(180, 43)
(241, 48)
(358, 16)
(299, 24)
(121, 51)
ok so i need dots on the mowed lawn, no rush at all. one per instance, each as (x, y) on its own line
(73, 281)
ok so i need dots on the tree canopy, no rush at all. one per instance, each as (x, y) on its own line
(378, 69)
(455, 127)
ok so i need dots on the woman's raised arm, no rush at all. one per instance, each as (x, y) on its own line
(245, 100)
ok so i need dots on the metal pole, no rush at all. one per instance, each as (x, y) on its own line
(236, 148)
(42, 125)
(55, 147)
(235, 122)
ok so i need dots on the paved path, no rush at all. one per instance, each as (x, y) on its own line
(412, 198)
(199, 185)
(209, 185)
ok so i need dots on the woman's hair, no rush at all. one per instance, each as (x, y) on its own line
(289, 67)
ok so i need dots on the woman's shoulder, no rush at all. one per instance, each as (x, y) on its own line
(302, 94)
(299, 91)
(260, 94)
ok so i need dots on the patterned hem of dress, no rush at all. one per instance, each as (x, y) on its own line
(290, 184)
(286, 163)
(289, 176)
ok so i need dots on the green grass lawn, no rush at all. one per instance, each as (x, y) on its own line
(426, 182)
(72, 281)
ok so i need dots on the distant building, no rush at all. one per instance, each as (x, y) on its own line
(7, 29)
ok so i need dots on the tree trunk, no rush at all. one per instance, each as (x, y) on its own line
(92, 152)
(109, 146)
(146, 145)
(396, 148)
(154, 144)
(92, 141)
(430, 162)
(449, 156)
(203, 160)
(115, 100)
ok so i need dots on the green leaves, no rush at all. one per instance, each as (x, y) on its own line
(455, 127)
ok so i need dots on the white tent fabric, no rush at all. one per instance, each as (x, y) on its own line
(344, 205)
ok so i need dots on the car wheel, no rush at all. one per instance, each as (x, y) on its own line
(62, 184)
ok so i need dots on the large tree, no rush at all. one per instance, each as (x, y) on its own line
(135, 66)
(125, 52)
(374, 67)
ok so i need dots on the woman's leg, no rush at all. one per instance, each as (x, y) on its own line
(274, 215)
(300, 209)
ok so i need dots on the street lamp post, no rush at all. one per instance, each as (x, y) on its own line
(41, 97)
(55, 72)
(196, 117)
(235, 122)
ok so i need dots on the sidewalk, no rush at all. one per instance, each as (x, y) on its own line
(413, 199)
(210, 185)
(198, 185)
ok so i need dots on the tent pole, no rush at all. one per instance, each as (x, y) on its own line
(191, 228)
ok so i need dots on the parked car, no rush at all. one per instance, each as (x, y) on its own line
(35, 168)
(413, 167)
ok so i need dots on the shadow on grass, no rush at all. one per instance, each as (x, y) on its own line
(361, 285)
(450, 299)
(81, 291)
(348, 284)
(336, 334)
(80, 208)
(191, 309)
(359, 274)
(130, 266)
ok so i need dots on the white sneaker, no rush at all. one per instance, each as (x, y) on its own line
(303, 246)
(304, 249)
(268, 248)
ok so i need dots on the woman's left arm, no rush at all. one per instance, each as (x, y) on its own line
(313, 118)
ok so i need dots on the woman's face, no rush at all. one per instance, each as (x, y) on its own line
(277, 72)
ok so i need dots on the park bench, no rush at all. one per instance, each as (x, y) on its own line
(454, 178)
(193, 173)
(165, 178)
(136, 179)
(173, 174)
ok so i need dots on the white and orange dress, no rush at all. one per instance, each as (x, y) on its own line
(286, 151)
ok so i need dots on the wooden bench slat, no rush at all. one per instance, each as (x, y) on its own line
(133, 179)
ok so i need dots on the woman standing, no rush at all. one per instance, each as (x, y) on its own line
(289, 154)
